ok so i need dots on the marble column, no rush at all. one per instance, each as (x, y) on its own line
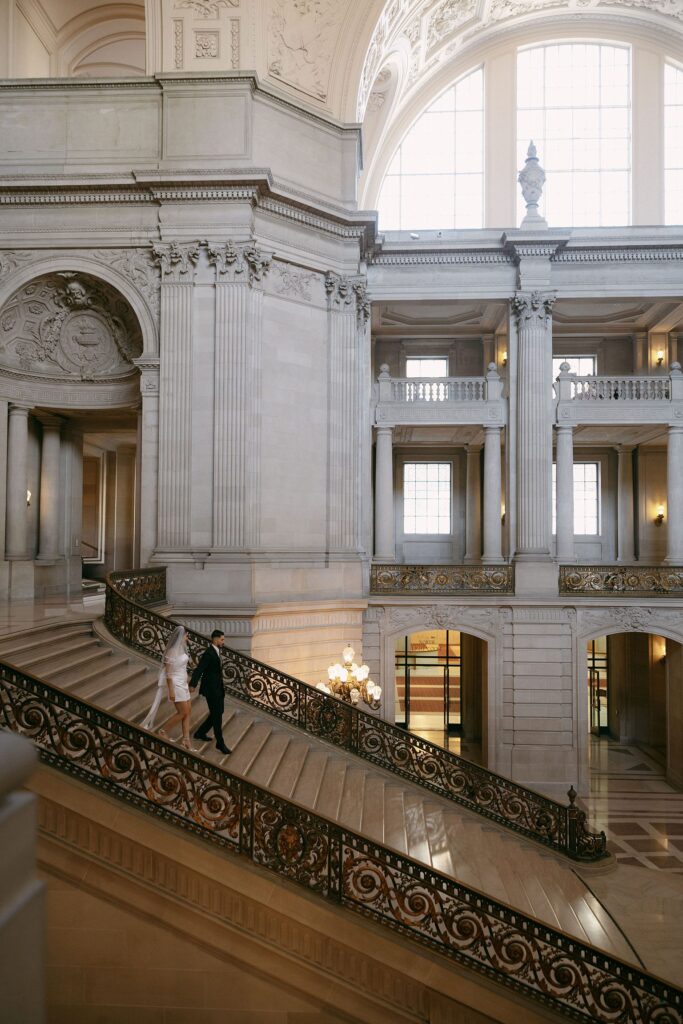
(48, 513)
(674, 496)
(493, 552)
(177, 264)
(385, 542)
(473, 505)
(148, 459)
(625, 545)
(534, 416)
(16, 528)
(564, 479)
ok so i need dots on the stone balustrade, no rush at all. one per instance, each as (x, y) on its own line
(440, 399)
(622, 398)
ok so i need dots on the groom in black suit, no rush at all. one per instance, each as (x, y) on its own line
(209, 674)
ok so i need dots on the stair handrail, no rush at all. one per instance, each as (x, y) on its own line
(130, 619)
(329, 861)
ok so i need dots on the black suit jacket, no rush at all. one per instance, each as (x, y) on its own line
(209, 674)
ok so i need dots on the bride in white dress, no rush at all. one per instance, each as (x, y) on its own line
(173, 679)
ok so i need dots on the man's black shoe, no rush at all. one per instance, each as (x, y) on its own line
(200, 736)
(223, 749)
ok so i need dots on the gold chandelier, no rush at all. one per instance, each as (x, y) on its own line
(351, 682)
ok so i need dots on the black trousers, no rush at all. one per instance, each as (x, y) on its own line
(214, 719)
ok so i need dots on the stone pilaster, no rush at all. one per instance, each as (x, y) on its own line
(177, 264)
(534, 439)
(674, 496)
(48, 535)
(385, 543)
(237, 369)
(493, 552)
(473, 504)
(16, 543)
(625, 546)
(147, 459)
(564, 481)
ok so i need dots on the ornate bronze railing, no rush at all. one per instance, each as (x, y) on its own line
(561, 827)
(449, 580)
(624, 580)
(346, 869)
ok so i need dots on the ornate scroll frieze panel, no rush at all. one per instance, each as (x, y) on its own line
(11, 261)
(295, 282)
(68, 325)
(302, 36)
(626, 581)
(441, 616)
(643, 620)
(205, 8)
(533, 308)
(442, 579)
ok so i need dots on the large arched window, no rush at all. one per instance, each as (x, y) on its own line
(574, 101)
(436, 179)
(673, 144)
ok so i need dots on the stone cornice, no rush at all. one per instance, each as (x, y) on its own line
(471, 257)
(620, 254)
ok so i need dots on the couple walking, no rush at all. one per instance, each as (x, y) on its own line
(208, 674)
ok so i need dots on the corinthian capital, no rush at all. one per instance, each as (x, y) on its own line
(533, 308)
(175, 259)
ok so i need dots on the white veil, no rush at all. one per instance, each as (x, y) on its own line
(174, 648)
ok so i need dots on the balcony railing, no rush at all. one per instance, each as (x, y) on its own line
(563, 828)
(624, 580)
(331, 863)
(440, 399)
(620, 398)
(442, 579)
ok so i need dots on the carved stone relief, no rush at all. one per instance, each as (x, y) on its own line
(292, 281)
(231, 261)
(301, 42)
(68, 324)
(205, 8)
(447, 17)
(648, 620)
(441, 616)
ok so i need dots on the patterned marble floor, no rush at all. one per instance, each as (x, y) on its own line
(640, 812)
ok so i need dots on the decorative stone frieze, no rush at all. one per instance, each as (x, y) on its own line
(645, 620)
(205, 8)
(632, 580)
(294, 282)
(441, 579)
(441, 616)
(11, 261)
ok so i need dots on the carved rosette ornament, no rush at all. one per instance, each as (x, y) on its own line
(533, 309)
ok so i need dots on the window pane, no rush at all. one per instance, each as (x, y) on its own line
(586, 498)
(436, 177)
(673, 144)
(426, 367)
(573, 100)
(426, 497)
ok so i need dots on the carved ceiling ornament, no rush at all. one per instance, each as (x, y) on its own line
(302, 35)
(68, 324)
(205, 8)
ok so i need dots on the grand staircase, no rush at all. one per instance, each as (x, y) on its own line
(272, 752)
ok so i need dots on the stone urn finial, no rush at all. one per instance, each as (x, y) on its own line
(532, 178)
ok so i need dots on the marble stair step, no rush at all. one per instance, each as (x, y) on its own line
(84, 663)
(351, 806)
(132, 697)
(232, 730)
(267, 762)
(246, 745)
(416, 829)
(310, 778)
(18, 647)
(91, 685)
(44, 657)
(372, 818)
(331, 789)
(437, 839)
(289, 769)
(395, 818)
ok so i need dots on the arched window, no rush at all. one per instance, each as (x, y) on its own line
(574, 101)
(436, 179)
(673, 144)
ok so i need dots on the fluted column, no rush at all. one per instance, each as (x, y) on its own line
(534, 437)
(564, 478)
(674, 496)
(473, 505)
(240, 271)
(177, 264)
(493, 551)
(625, 546)
(48, 519)
(16, 529)
(385, 543)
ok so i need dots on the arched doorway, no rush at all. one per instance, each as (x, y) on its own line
(440, 679)
(635, 699)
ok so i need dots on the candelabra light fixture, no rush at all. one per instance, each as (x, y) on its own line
(351, 682)
(659, 518)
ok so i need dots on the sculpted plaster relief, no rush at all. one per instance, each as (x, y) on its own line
(292, 281)
(205, 8)
(68, 324)
(447, 17)
(646, 620)
(137, 266)
(301, 39)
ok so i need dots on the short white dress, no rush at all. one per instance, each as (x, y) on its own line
(176, 668)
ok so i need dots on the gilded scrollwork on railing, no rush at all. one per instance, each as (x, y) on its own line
(426, 764)
(625, 580)
(442, 579)
(144, 586)
(456, 922)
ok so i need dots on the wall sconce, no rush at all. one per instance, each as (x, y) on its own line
(28, 499)
(505, 357)
(502, 514)
(659, 518)
(660, 356)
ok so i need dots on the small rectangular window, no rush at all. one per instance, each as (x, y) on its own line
(429, 366)
(582, 366)
(426, 497)
(586, 499)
